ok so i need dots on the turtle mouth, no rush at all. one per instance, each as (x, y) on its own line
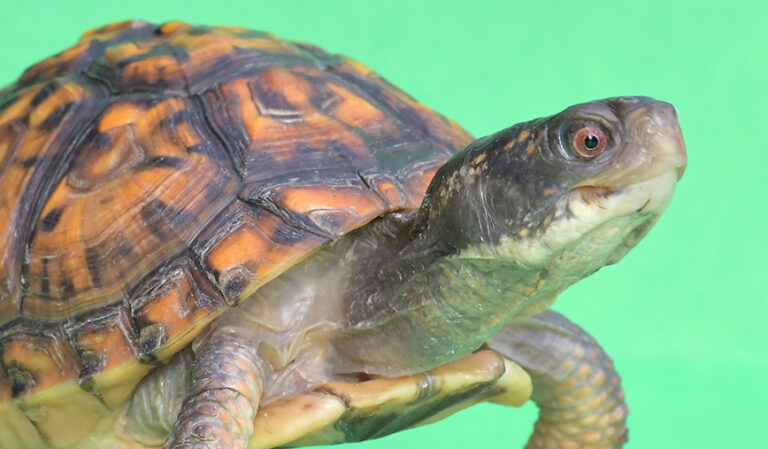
(647, 195)
(596, 191)
(593, 223)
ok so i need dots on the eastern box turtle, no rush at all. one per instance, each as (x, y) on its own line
(153, 178)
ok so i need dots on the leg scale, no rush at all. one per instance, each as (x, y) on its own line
(220, 406)
(578, 391)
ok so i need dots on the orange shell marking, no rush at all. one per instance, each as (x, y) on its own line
(151, 177)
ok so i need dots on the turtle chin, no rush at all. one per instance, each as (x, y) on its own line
(631, 194)
(616, 218)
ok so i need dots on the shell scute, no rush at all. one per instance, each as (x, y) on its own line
(151, 177)
(37, 357)
(110, 153)
(111, 30)
(170, 304)
(248, 245)
(141, 209)
(436, 126)
(16, 428)
(59, 65)
(39, 130)
(104, 340)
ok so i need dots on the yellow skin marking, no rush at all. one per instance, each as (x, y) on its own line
(478, 159)
(531, 149)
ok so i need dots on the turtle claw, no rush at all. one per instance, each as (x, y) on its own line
(343, 411)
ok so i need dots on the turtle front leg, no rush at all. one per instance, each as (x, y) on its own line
(578, 392)
(218, 411)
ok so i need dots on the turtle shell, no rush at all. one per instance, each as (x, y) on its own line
(153, 176)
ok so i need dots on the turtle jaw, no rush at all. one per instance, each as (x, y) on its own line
(630, 210)
(592, 226)
(616, 208)
(643, 178)
(603, 216)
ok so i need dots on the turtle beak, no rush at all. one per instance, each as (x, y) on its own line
(680, 172)
(664, 137)
(657, 143)
(654, 144)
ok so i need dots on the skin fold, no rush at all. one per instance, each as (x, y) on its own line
(507, 224)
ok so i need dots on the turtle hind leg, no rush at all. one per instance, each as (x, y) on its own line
(578, 392)
(218, 411)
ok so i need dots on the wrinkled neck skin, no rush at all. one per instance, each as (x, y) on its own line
(470, 262)
(448, 288)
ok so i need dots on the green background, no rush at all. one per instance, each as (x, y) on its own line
(684, 315)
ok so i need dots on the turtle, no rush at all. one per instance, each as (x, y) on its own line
(211, 237)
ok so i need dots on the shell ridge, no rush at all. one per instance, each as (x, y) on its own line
(364, 93)
(33, 194)
(237, 164)
(291, 218)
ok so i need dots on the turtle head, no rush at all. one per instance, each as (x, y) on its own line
(564, 194)
(511, 221)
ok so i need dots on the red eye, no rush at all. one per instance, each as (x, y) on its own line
(589, 142)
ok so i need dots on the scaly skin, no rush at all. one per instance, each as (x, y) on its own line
(575, 385)
(222, 402)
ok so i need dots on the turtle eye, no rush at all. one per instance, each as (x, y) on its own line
(589, 141)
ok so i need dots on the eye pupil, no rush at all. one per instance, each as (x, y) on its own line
(591, 142)
(588, 142)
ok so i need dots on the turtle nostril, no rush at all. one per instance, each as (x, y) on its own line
(674, 112)
(665, 115)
